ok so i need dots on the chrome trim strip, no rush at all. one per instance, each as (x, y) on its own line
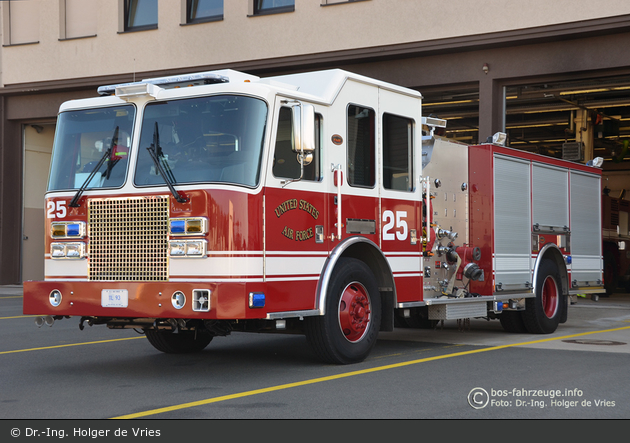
(445, 301)
(291, 314)
(592, 290)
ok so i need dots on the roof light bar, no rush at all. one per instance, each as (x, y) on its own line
(202, 78)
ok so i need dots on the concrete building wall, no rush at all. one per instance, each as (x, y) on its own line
(44, 53)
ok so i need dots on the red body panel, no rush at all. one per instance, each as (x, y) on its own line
(481, 213)
(293, 259)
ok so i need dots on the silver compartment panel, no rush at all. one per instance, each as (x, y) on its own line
(458, 310)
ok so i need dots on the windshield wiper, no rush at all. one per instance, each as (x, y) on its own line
(155, 151)
(75, 200)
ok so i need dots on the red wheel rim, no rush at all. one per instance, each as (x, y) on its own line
(550, 297)
(354, 312)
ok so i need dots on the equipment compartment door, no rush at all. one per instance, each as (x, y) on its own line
(586, 229)
(512, 223)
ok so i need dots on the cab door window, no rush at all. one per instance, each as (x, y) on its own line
(397, 153)
(361, 146)
(286, 162)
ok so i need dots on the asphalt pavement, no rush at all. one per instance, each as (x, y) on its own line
(461, 370)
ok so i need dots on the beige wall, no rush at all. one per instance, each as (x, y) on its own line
(38, 141)
(310, 29)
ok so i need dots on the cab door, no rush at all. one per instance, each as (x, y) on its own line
(296, 244)
(401, 191)
(351, 147)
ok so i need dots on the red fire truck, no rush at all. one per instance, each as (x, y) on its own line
(320, 203)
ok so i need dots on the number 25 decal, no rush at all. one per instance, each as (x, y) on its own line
(397, 221)
(58, 210)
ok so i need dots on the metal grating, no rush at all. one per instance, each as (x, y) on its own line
(573, 151)
(128, 239)
(458, 310)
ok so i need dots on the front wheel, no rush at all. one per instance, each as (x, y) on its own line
(543, 313)
(349, 328)
(183, 342)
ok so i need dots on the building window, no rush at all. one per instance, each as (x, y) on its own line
(397, 153)
(141, 15)
(199, 11)
(77, 18)
(361, 146)
(262, 7)
(20, 23)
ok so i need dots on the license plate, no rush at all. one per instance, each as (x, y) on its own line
(114, 298)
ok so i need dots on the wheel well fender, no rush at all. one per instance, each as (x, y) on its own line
(368, 252)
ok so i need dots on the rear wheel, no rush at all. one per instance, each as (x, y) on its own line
(182, 342)
(349, 328)
(543, 313)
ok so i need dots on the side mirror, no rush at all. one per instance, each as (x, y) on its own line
(303, 128)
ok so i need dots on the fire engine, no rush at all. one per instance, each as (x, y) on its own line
(320, 203)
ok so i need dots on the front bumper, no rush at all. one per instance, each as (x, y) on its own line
(140, 299)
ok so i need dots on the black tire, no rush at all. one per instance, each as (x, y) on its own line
(183, 342)
(543, 313)
(342, 335)
(512, 321)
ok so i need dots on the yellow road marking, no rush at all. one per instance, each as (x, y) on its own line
(69, 345)
(12, 296)
(19, 316)
(346, 374)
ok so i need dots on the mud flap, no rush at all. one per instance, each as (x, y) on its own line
(564, 315)
(387, 316)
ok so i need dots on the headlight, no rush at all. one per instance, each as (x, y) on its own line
(177, 248)
(74, 250)
(67, 230)
(196, 248)
(188, 248)
(57, 250)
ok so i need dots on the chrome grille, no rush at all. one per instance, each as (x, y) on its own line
(128, 239)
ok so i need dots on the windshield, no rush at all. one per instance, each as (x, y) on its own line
(205, 139)
(82, 139)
